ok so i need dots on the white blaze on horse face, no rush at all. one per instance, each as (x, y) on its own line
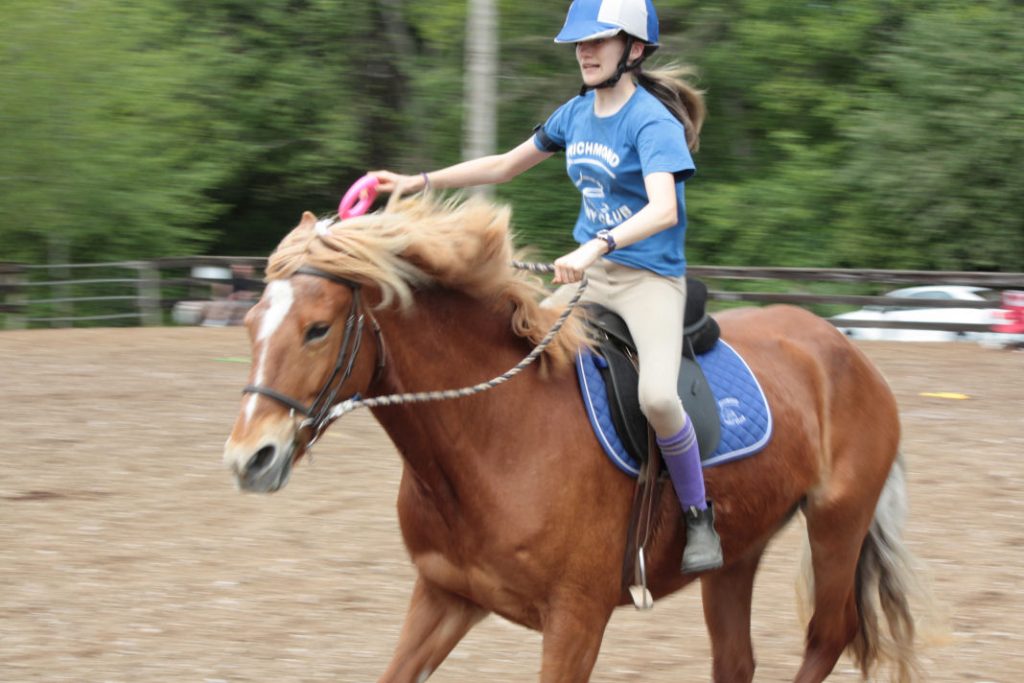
(281, 297)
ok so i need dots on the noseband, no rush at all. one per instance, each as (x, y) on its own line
(318, 412)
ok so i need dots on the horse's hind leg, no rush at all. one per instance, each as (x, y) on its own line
(437, 620)
(836, 529)
(726, 595)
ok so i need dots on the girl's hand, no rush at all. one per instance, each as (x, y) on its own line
(569, 268)
(389, 182)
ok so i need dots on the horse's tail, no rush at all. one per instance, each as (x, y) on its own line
(887, 580)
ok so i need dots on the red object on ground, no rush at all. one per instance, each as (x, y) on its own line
(1012, 313)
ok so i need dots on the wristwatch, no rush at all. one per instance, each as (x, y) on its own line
(608, 238)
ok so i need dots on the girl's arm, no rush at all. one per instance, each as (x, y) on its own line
(661, 212)
(489, 170)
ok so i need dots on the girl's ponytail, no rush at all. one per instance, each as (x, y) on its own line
(672, 88)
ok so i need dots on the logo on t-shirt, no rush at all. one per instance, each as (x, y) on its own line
(591, 166)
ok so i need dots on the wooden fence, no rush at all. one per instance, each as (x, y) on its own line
(144, 292)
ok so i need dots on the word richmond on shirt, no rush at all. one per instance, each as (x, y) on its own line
(590, 166)
(593, 149)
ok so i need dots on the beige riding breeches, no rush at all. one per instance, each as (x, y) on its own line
(652, 306)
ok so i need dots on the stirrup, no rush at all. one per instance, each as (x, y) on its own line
(642, 598)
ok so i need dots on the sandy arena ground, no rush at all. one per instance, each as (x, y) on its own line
(127, 555)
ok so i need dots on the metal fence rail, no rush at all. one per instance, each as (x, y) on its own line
(58, 296)
(143, 292)
(850, 275)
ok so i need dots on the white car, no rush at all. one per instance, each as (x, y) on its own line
(914, 314)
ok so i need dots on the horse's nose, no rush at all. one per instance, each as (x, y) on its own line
(262, 465)
(261, 459)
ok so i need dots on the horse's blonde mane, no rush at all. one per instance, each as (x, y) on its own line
(421, 241)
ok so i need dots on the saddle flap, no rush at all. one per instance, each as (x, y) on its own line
(621, 376)
(700, 404)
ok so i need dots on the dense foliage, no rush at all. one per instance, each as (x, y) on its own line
(861, 133)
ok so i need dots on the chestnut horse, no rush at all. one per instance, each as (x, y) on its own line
(507, 503)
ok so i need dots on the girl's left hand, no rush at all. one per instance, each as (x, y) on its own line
(569, 268)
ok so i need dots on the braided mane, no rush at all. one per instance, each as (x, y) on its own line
(420, 241)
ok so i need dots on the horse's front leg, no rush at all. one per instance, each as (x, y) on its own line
(435, 623)
(572, 640)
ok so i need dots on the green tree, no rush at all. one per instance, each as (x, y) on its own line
(779, 77)
(937, 143)
(853, 132)
(303, 94)
(99, 156)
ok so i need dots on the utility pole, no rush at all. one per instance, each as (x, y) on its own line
(481, 83)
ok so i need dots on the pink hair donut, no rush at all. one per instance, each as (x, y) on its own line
(359, 198)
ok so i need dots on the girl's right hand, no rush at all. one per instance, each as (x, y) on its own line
(389, 182)
(571, 267)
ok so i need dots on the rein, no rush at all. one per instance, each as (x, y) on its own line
(356, 402)
(321, 413)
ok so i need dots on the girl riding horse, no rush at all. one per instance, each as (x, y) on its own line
(627, 138)
(507, 503)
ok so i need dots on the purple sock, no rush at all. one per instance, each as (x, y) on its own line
(682, 458)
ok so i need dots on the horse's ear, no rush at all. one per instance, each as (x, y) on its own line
(308, 220)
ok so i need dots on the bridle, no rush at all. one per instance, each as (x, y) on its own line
(323, 411)
(318, 412)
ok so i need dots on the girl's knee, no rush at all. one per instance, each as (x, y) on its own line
(664, 411)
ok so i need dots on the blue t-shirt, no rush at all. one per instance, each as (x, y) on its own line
(607, 159)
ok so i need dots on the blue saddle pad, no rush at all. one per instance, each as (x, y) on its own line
(746, 419)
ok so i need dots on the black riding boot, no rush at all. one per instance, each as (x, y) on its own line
(703, 550)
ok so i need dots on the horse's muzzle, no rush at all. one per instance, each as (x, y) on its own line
(264, 471)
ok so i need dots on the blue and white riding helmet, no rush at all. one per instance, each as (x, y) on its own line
(593, 19)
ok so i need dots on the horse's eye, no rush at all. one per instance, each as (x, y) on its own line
(317, 331)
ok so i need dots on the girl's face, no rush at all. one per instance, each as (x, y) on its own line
(599, 58)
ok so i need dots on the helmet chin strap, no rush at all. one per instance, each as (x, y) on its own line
(620, 71)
